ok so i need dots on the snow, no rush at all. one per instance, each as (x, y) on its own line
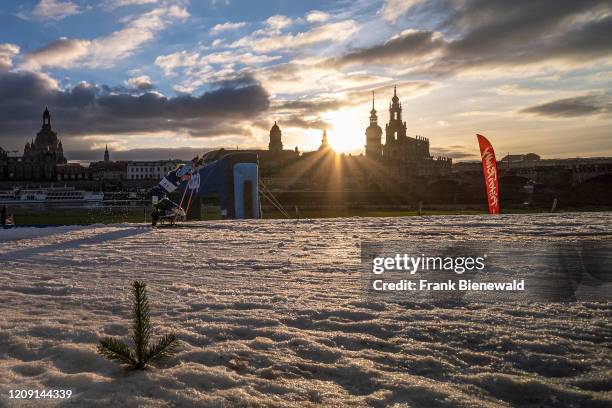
(271, 313)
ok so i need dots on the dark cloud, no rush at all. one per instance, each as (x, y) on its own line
(571, 107)
(455, 152)
(161, 153)
(61, 52)
(493, 33)
(89, 109)
(408, 45)
(311, 106)
(299, 122)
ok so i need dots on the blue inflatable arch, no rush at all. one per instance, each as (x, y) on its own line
(234, 179)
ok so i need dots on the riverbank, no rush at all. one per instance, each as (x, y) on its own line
(117, 215)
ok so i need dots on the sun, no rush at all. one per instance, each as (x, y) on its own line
(348, 133)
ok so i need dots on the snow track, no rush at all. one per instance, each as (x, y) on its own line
(270, 312)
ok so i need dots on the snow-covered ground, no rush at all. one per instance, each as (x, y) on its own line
(271, 313)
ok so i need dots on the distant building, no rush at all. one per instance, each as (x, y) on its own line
(71, 171)
(155, 170)
(324, 142)
(532, 161)
(40, 156)
(410, 155)
(276, 145)
(373, 147)
(399, 159)
(108, 170)
(521, 158)
(398, 147)
(274, 163)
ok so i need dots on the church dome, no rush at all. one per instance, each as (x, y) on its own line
(276, 144)
(46, 139)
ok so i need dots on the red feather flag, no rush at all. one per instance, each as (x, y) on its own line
(489, 167)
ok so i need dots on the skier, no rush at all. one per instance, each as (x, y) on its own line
(154, 216)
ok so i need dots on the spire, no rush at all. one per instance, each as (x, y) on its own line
(46, 118)
(106, 155)
(373, 117)
(324, 143)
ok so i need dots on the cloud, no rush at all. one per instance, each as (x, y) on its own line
(169, 63)
(278, 22)
(516, 89)
(393, 9)
(262, 41)
(54, 9)
(295, 121)
(7, 52)
(481, 36)
(122, 43)
(572, 107)
(455, 152)
(227, 27)
(62, 53)
(88, 109)
(139, 83)
(115, 4)
(408, 44)
(105, 51)
(228, 57)
(316, 16)
(198, 69)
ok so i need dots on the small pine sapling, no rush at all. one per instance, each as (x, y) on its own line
(117, 350)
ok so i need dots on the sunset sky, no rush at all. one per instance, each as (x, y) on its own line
(155, 79)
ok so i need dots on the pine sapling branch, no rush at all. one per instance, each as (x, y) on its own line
(116, 350)
(141, 326)
(164, 348)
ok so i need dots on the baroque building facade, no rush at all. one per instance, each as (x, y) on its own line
(399, 159)
(40, 159)
(410, 154)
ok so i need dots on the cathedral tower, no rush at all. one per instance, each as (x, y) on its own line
(324, 142)
(46, 119)
(395, 130)
(373, 134)
(46, 142)
(106, 155)
(276, 145)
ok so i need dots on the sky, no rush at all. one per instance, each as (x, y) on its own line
(171, 78)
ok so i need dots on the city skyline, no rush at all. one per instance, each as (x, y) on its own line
(146, 75)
